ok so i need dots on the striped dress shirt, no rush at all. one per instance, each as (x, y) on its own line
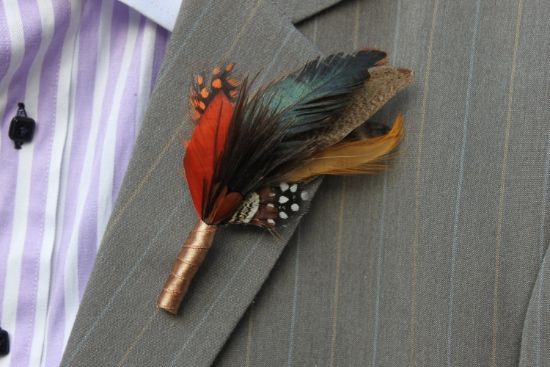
(85, 70)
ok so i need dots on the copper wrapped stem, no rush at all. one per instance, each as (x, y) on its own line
(185, 266)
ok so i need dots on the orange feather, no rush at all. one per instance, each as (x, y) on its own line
(203, 154)
(351, 157)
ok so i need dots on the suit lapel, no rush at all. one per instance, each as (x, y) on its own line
(298, 10)
(118, 323)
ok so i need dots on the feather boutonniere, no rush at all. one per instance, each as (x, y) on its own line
(251, 155)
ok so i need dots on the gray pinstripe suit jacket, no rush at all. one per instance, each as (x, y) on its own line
(440, 261)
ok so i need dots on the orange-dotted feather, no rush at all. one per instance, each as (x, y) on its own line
(203, 91)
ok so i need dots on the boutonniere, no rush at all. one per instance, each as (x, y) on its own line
(251, 155)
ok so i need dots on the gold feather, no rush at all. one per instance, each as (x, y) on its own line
(351, 157)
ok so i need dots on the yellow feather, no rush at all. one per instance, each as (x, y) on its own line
(351, 158)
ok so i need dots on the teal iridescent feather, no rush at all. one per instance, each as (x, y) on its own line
(320, 89)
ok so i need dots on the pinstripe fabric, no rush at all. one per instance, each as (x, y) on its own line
(298, 10)
(440, 261)
(63, 61)
(536, 335)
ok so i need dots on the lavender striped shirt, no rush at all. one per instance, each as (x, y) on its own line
(84, 69)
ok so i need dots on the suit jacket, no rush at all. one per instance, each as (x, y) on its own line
(439, 261)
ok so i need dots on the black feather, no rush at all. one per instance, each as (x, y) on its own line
(275, 130)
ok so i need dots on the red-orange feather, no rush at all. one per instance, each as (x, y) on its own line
(202, 158)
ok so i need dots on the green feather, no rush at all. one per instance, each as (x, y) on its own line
(319, 91)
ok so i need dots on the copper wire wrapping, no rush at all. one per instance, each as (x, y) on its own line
(185, 266)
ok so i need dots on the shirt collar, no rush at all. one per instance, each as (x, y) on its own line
(162, 12)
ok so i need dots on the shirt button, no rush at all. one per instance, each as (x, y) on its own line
(4, 342)
(21, 127)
